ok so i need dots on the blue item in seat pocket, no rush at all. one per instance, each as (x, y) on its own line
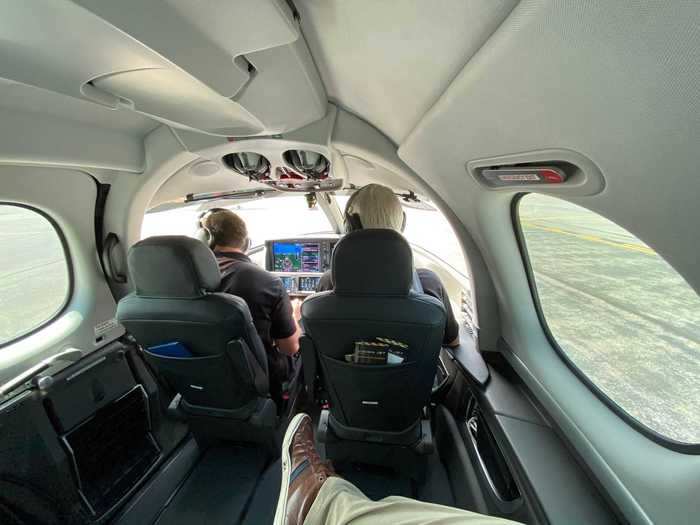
(173, 349)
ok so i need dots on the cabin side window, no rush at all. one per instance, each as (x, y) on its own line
(34, 272)
(619, 313)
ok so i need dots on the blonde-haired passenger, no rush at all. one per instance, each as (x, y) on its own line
(377, 207)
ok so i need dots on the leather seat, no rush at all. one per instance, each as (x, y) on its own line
(373, 275)
(224, 378)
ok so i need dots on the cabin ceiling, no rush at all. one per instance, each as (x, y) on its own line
(388, 62)
(240, 68)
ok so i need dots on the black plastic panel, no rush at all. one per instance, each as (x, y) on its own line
(88, 386)
(112, 451)
(491, 460)
(82, 431)
(460, 469)
(551, 481)
(468, 358)
(35, 473)
(560, 484)
(149, 502)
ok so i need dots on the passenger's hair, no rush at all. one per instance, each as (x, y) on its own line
(377, 207)
(227, 229)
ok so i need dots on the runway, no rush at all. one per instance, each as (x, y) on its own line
(619, 312)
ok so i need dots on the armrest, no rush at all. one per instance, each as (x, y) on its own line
(469, 360)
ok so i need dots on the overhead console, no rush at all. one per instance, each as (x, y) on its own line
(300, 263)
(301, 170)
(302, 160)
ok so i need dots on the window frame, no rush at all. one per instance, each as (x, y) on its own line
(69, 267)
(667, 442)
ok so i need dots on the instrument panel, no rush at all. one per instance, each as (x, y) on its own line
(300, 263)
(299, 284)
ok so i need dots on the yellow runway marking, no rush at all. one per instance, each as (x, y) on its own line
(624, 246)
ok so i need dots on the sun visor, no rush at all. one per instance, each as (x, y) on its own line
(176, 98)
(205, 66)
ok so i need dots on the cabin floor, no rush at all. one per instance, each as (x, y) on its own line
(234, 483)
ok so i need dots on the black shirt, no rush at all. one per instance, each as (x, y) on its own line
(269, 307)
(432, 285)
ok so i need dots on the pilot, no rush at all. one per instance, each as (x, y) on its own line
(376, 206)
(276, 318)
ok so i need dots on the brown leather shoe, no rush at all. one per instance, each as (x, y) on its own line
(303, 472)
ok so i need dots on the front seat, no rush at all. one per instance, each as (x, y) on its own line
(372, 272)
(220, 367)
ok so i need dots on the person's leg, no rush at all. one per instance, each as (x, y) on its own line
(303, 472)
(311, 493)
(341, 503)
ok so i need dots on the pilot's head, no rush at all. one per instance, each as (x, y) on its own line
(374, 206)
(222, 229)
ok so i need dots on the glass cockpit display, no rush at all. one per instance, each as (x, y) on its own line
(296, 257)
(300, 284)
(299, 263)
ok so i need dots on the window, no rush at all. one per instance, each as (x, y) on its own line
(266, 218)
(429, 229)
(34, 274)
(275, 217)
(619, 312)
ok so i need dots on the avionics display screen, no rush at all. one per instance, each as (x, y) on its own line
(296, 257)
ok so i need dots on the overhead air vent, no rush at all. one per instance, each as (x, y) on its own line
(251, 165)
(309, 163)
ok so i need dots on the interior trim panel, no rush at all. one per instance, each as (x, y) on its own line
(516, 462)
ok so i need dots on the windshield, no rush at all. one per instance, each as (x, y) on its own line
(266, 218)
(288, 215)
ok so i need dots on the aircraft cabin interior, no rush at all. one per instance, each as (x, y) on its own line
(544, 155)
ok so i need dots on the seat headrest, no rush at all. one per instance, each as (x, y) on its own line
(173, 266)
(372, 262)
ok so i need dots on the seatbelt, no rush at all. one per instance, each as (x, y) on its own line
(417, 286)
